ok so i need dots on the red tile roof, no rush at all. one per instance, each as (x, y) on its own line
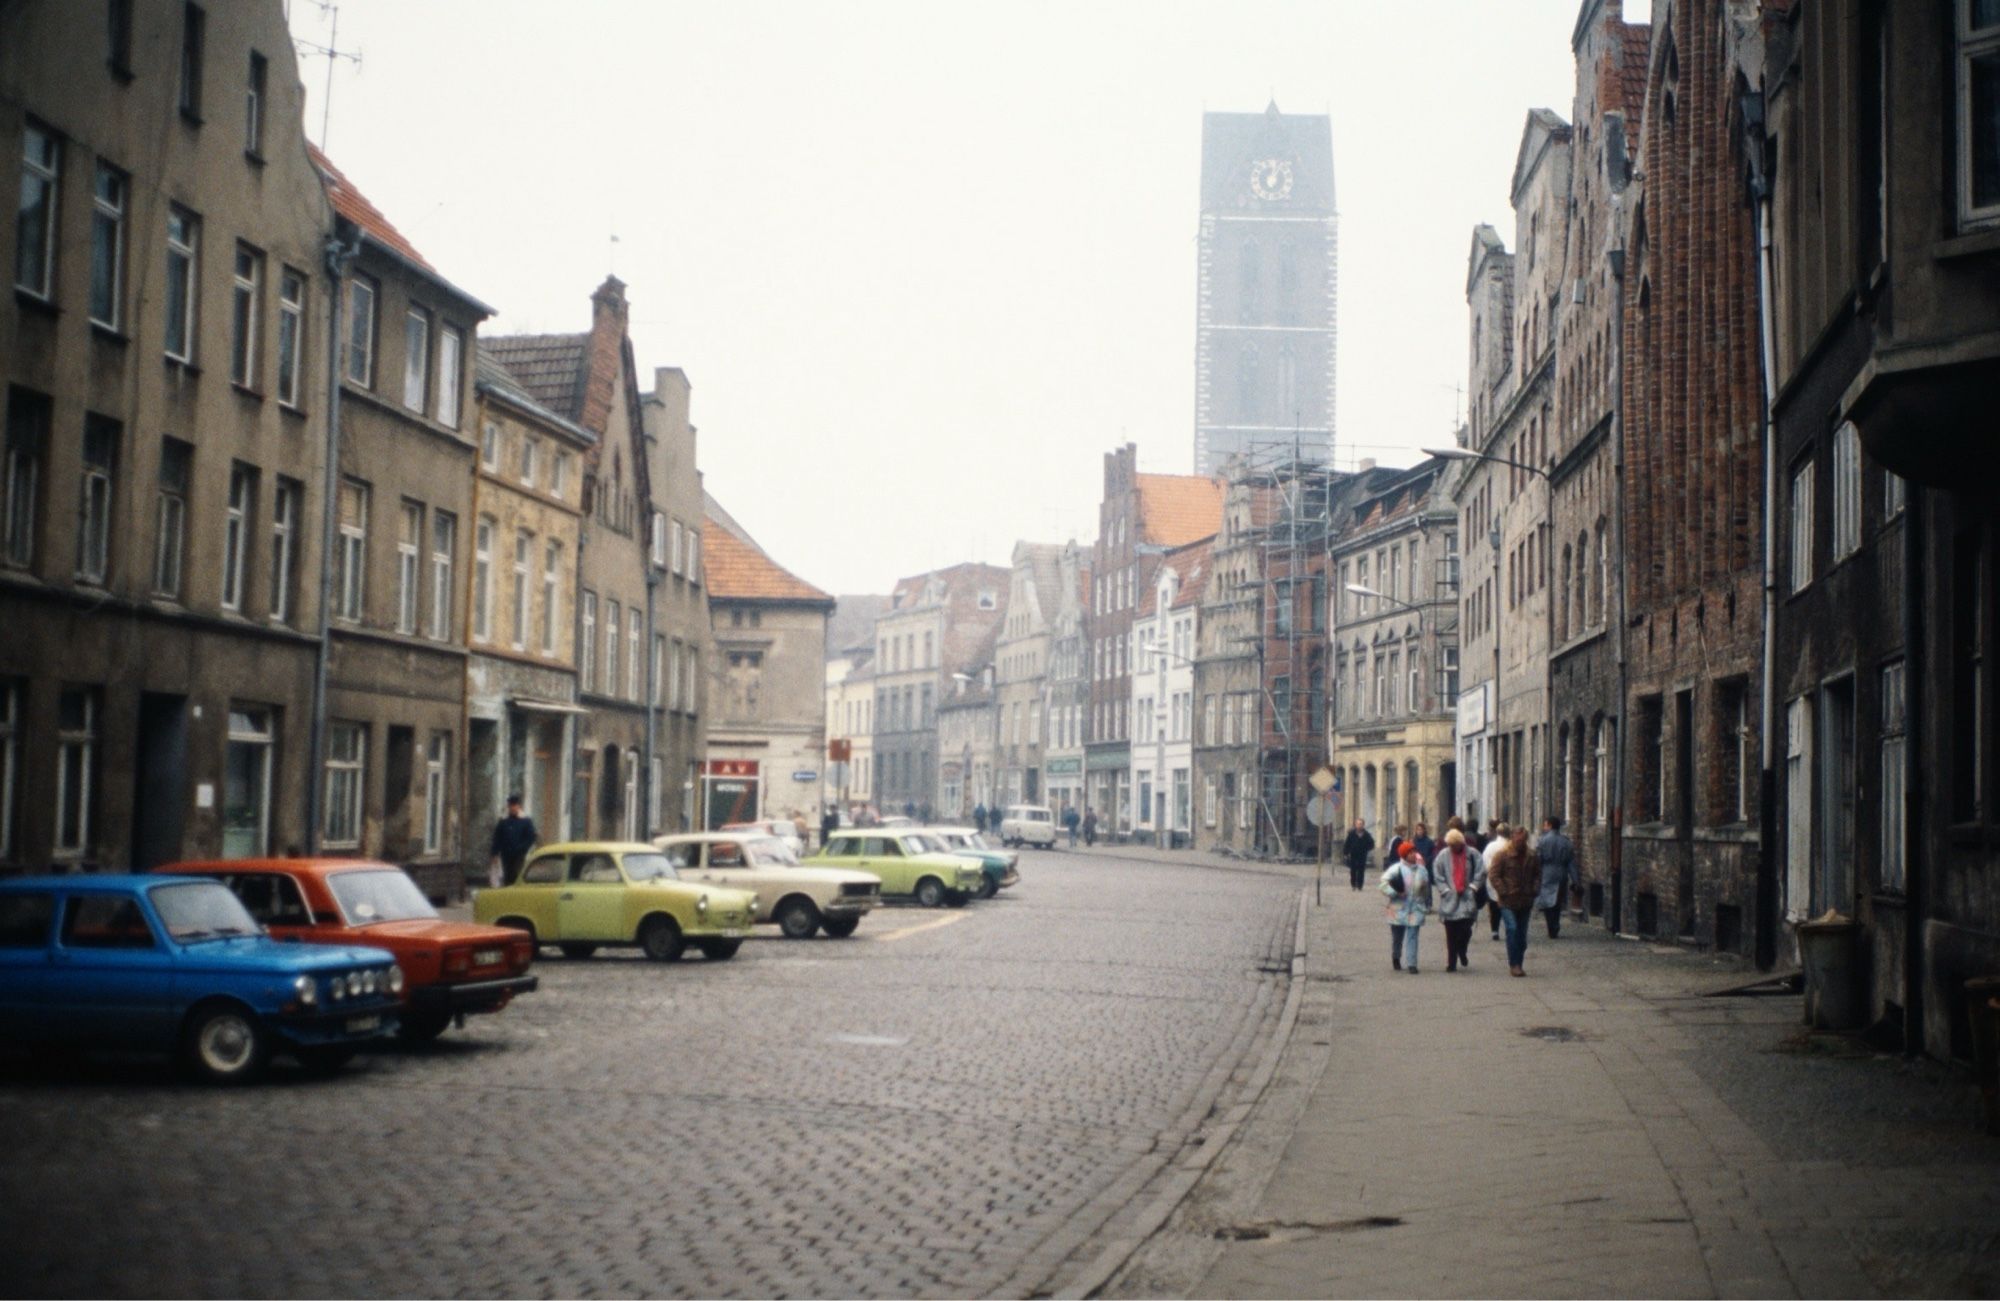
(1176, 509)
(738, 570)
(354, 205)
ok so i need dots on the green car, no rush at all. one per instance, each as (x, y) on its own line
(581, 896)
(911, 864)
(999, 865)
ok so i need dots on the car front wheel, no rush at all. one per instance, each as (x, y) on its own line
(988, 888)
(839, 928)
(797, 919)
(224, 1044)
(661, 940)
(930, 892)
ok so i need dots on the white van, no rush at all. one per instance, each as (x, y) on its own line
(1028, 824)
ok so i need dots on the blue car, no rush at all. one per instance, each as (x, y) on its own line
(175, 964)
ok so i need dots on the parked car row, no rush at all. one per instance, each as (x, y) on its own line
(226, 964)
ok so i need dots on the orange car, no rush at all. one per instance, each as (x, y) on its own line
(450, 969)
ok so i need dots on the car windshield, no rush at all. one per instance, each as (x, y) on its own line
(385, 896)
(771, 852)
(649, 867)
(202, 910)
(921, 845)
(978, 841)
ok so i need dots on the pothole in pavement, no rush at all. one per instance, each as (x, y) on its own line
(1555, 1034)
(1280, 1230)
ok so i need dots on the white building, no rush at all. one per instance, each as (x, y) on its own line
(1163, 648)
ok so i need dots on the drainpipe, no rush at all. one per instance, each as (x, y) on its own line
(1767, 810)
(338, 255)
(1915, 865)
(652, 698)
(1615, 823)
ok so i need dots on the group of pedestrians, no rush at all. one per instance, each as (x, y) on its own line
(1501, 873)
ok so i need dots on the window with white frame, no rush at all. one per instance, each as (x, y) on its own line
(183, 281)
(1801, 521)
(245, 315)
(1977, 24)
(656, 682)
(656, 540)
(691, 678)
(409, 568)
(482, 579)
(236, 533)
(417, 360)
(531, 455)
(246, 783)
(444, 543)
(524, 552)
(35, 233)
(361, 330)
(437, 788)
(1894, 780)
(76, 770)
(286, 499)
(170, 517)
(93, 508)
(351, 551)
(291, 335)
(559, 474)
(489, 447)
(611, 648)
(674, 549)
(346, 750)
(694, 555)
(552, 554)
(673, 667)
(1846, 491)
(107, 246)
(635, 678)
(586, 656)
(451, 364)
(1604, 752)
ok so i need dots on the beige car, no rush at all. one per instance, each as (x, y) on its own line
(798, 900)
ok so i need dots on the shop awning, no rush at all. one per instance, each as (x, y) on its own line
(533, 706)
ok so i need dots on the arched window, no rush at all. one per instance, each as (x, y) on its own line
(1562, 601)
(1581, 602)
(1604, 563)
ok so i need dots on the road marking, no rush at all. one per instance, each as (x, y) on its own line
(931, 925)
(869, 1040)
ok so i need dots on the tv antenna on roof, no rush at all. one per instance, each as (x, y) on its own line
(333, 53)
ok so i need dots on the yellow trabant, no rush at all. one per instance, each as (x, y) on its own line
(911, 864)
(584, 895)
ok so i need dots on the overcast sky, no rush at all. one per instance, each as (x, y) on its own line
(925, 263)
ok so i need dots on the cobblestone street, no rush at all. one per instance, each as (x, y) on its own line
(952, 1103)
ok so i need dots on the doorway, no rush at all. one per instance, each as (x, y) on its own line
(159, 795)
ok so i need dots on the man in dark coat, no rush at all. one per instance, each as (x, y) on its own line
(1355, 851)
(513, 836)
(979, 817)
(829, 822)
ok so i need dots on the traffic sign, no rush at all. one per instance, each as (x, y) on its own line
(1324, 780)
(1319, 810)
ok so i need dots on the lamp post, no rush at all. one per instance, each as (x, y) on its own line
(1493, 537)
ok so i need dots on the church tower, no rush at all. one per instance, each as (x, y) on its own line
(1267, 281)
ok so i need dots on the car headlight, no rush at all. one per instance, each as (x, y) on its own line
(336, 989)
(395, 980)
(354, 985)
(701, 905)
(307, 990)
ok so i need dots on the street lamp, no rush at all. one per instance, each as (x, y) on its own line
(1493, 537)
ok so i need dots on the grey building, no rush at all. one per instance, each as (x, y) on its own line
(1267, 281)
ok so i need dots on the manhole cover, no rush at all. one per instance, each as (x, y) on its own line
(1555, 1034)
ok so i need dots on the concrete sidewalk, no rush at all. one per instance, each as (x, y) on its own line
(1598, 1128)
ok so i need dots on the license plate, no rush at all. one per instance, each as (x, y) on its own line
(487, 958)
(363, 1024)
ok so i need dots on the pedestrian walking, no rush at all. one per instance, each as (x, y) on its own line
(1426, 847)
(1392, 851)
(513, 836)
(799, 830)
(1494, 844)
(829, 822)
(1408, 887)
(979, 817)
(1070, 821)
(1514, 876)
(1459, 875)
(1560, 880)
(1354, 851)
(1089, 827)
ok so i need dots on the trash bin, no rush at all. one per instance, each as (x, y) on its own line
(1829, 950)
(1982, 1008)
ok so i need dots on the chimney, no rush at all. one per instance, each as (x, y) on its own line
(1364, 465)
(608, 315)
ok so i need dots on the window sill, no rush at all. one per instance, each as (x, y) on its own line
(109, 333)
(190, 116)
(244, 390)
(119, 72)
(296, 413)
(1971, 244)
(253, 157)
(182, 363)
(34, 302)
